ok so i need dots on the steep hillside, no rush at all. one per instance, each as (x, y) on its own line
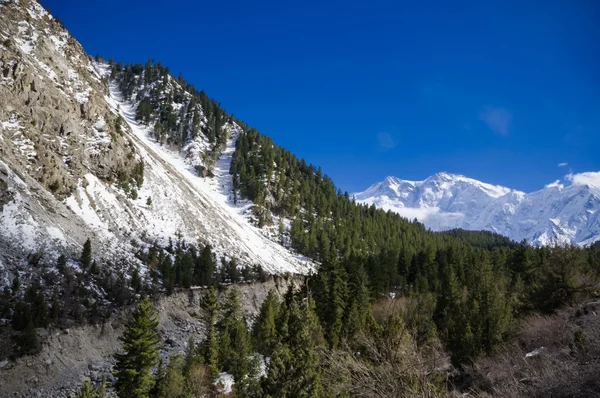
(76, 162)
(558, 213)
(55, 128)
(198, 208)
(87, 351)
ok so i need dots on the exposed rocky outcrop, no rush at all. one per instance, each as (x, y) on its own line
(52, 105)
(55, 127)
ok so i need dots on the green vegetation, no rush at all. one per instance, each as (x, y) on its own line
(177, 111)
(140, 344)
(475, 285)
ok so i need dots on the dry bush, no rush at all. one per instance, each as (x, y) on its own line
(567, 366)
(199, 383)
(384, 308)
(417, 314)
(386, 364)
(545, 331)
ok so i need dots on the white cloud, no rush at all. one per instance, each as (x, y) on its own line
(555, 184)
(591, 178)
(564, 164)
(386, 140)
(497, 119)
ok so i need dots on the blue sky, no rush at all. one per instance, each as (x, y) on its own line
(499, 91)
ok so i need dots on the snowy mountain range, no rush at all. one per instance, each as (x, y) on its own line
(560, 213)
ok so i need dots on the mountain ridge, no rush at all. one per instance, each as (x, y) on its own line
(559, 213)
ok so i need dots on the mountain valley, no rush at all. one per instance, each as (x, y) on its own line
(154, 245)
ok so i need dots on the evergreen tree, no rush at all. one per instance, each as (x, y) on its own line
(357, 316)
(331, 296)
(209, 348)
(28, 341)
(21, 316)
(490, 305)
(172, 383)
(265, 330)
(34, 297)
(140, 345)
(234, 339)
(86, 255)
(249, 386)
(204, 267)
(16, 284)
(94, 269)
(136, 281)
(86, 390)
(294, 369)
(101, 393)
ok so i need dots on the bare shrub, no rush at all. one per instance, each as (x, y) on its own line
(384, 308)
(555, 355)
(544, 331)
(199, 381)
(386, 364)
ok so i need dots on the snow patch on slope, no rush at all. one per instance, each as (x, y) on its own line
(174, 200)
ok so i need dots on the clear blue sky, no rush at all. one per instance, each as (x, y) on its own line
(499, 91)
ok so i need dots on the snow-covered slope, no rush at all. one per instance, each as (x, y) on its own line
(181, 203)
(567, 212)
(66, 169)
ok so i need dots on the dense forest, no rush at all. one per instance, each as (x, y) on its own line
(331, 337)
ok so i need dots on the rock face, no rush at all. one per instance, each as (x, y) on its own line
(559, 213)
(55, 127)
(55, 122)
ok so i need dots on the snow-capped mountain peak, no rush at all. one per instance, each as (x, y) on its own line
(562, 212)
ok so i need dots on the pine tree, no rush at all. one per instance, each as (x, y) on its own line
(249, 386)
(331, 295)
(490, 305)
(204, 268)
(61, 263)
(37, 305)
(357, 314)
(234, 339)
(86, 390)
(21, 315)
(28, 341)
(294, 369)
(140, 344)
(94, 269)
(101, 393)
(173, 383)
(210, 346)
(16, 284)
(449, 298)
(136, 281)
(265, 330)
(86, 255)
